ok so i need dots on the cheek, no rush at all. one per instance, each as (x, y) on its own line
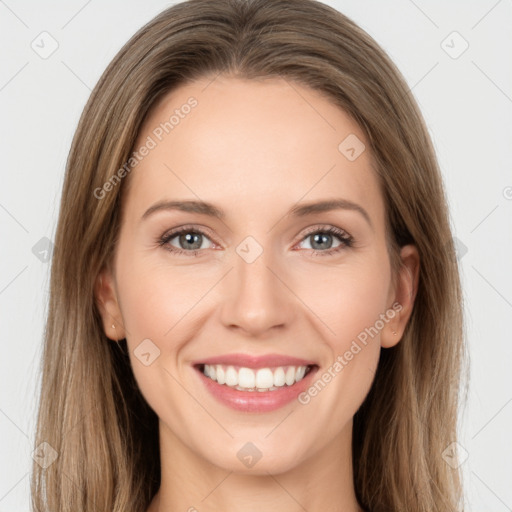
(352, 303)
(162, 302)
(157, 304)
(353, 312)
(347, 299)
(156, 297)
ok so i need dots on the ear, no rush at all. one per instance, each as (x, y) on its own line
(106, 299)
(402, 296)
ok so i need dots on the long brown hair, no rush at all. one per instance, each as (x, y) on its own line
(91, 412)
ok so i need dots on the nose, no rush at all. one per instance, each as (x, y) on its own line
(256, 297)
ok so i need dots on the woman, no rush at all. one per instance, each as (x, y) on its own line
(255, 301)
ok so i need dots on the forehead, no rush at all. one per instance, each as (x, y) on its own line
(235, 142)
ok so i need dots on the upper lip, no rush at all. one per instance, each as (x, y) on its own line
(249, 361)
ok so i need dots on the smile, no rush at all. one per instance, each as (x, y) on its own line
(255, 390)
(263, 379)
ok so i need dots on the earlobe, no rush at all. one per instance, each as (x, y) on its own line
(106, 300)
(404, 296)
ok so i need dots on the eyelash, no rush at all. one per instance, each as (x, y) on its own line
(345, 238)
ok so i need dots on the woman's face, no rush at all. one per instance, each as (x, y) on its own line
(254, 273)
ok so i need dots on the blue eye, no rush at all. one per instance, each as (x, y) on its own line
(191, 240)
(323, 237)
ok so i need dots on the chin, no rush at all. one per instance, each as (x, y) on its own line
(258, 458)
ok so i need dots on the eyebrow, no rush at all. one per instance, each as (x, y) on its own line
(300, 210)
(329, 205)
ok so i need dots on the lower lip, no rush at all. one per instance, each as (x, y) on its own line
(256, 401)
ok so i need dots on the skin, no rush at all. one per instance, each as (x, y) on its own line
(254, 149)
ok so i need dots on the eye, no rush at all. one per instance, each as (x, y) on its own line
(190, 240)
(185, 240)
(321, 240)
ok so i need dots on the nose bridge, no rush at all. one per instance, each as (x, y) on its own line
(256, 299)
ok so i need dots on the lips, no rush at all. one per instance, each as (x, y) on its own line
(254, 400)
(222, 376)
(255, 362)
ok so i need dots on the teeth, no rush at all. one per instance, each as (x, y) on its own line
(279, 377)
(231, 377)
(264, 378)
(247, 379)
(290, 376)
(301, 370)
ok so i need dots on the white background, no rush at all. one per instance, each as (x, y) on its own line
(467, 104)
